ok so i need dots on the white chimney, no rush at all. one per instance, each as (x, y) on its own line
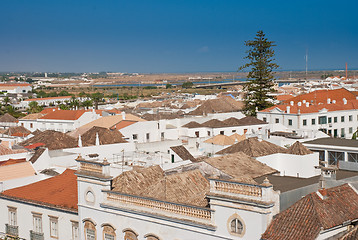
(344, 101)
(292, 102)
(123, 115)
(328, 101)
(356, 97)
(303, 101)
(299, 104)
(333, 101)
(288, 109)
(307, 104)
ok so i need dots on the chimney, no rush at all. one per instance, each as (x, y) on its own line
(307, 104)
(292, 102)
(299, 104)
(123, 115)
(303, 101)
(344, 101)
(333, 101)
(288, 109)
(328, 101)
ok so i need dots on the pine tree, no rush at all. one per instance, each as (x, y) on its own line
(260, 79)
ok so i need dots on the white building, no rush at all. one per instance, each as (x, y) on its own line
(113, 208)
(59, 120)
(42, 210)
(15, 87)
(334, 112)
(49, 101)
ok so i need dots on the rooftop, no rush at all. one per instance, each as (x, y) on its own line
(59, 191)
(48, 98)
(64, 114)
(313, 213)
(334, 142)
(183, 153)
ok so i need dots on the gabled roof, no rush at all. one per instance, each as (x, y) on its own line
(253, 148)
(52, 140)
(64, 114)
(334, 142)
(245, 121)
(298, 149)
(315, 212)
(220, 139)
(222, 104)
(5, 150)
(59, 191)
(192, 124)
(214, 123)
(12, 161)
(183, 153)
(8, 118)
(32, 116)
(17, 131)
(105, 136)
(238, 137)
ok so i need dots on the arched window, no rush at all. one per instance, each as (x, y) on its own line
(109, 233)
(90, 230)
(130, 234)
(236, 226)
(151, 237)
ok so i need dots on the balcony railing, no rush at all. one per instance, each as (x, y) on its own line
(36, 235)
(12, 230)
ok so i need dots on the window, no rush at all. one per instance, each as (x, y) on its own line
(31, 125)
(335, 119)
(264, 119)
(277, 120)
(329, 120)
(75, 232)
(342, 118)
(236, 226)
(162, 135)
(54, 227)
(350, 118)
(37, 222)
(130, 235)
(234, 131)
(109, 232)
(135, 136)
(334, 157)
(350, 130)
(290, 122)
(335, 133)
(12, 216)
(322, 120)
(147, 136)
(221, 132)
(209, 133)
(90, 230)
(22, 124)
(313, 121)
(197, 133)
(353, 157)
(304, 122)
(342, 132)
(245, 131)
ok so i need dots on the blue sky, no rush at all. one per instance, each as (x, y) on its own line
(173, 36)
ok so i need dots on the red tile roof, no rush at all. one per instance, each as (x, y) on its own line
(321, 96)
(284, 97)
(59, 191)
(338, 106)
(64, 114)
(35, 145)
(12, 161)
(49, 110)
(123, 124)
(306, 218)
(48, 98)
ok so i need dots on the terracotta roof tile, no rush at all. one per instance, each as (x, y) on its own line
(183, 153)
(306, 218)
(59, 191)
(16, 170)
(214, 123)
(8, 118)
(64, 114)
(12, 161)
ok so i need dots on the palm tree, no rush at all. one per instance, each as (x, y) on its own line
(86, 104)
(6, 100)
